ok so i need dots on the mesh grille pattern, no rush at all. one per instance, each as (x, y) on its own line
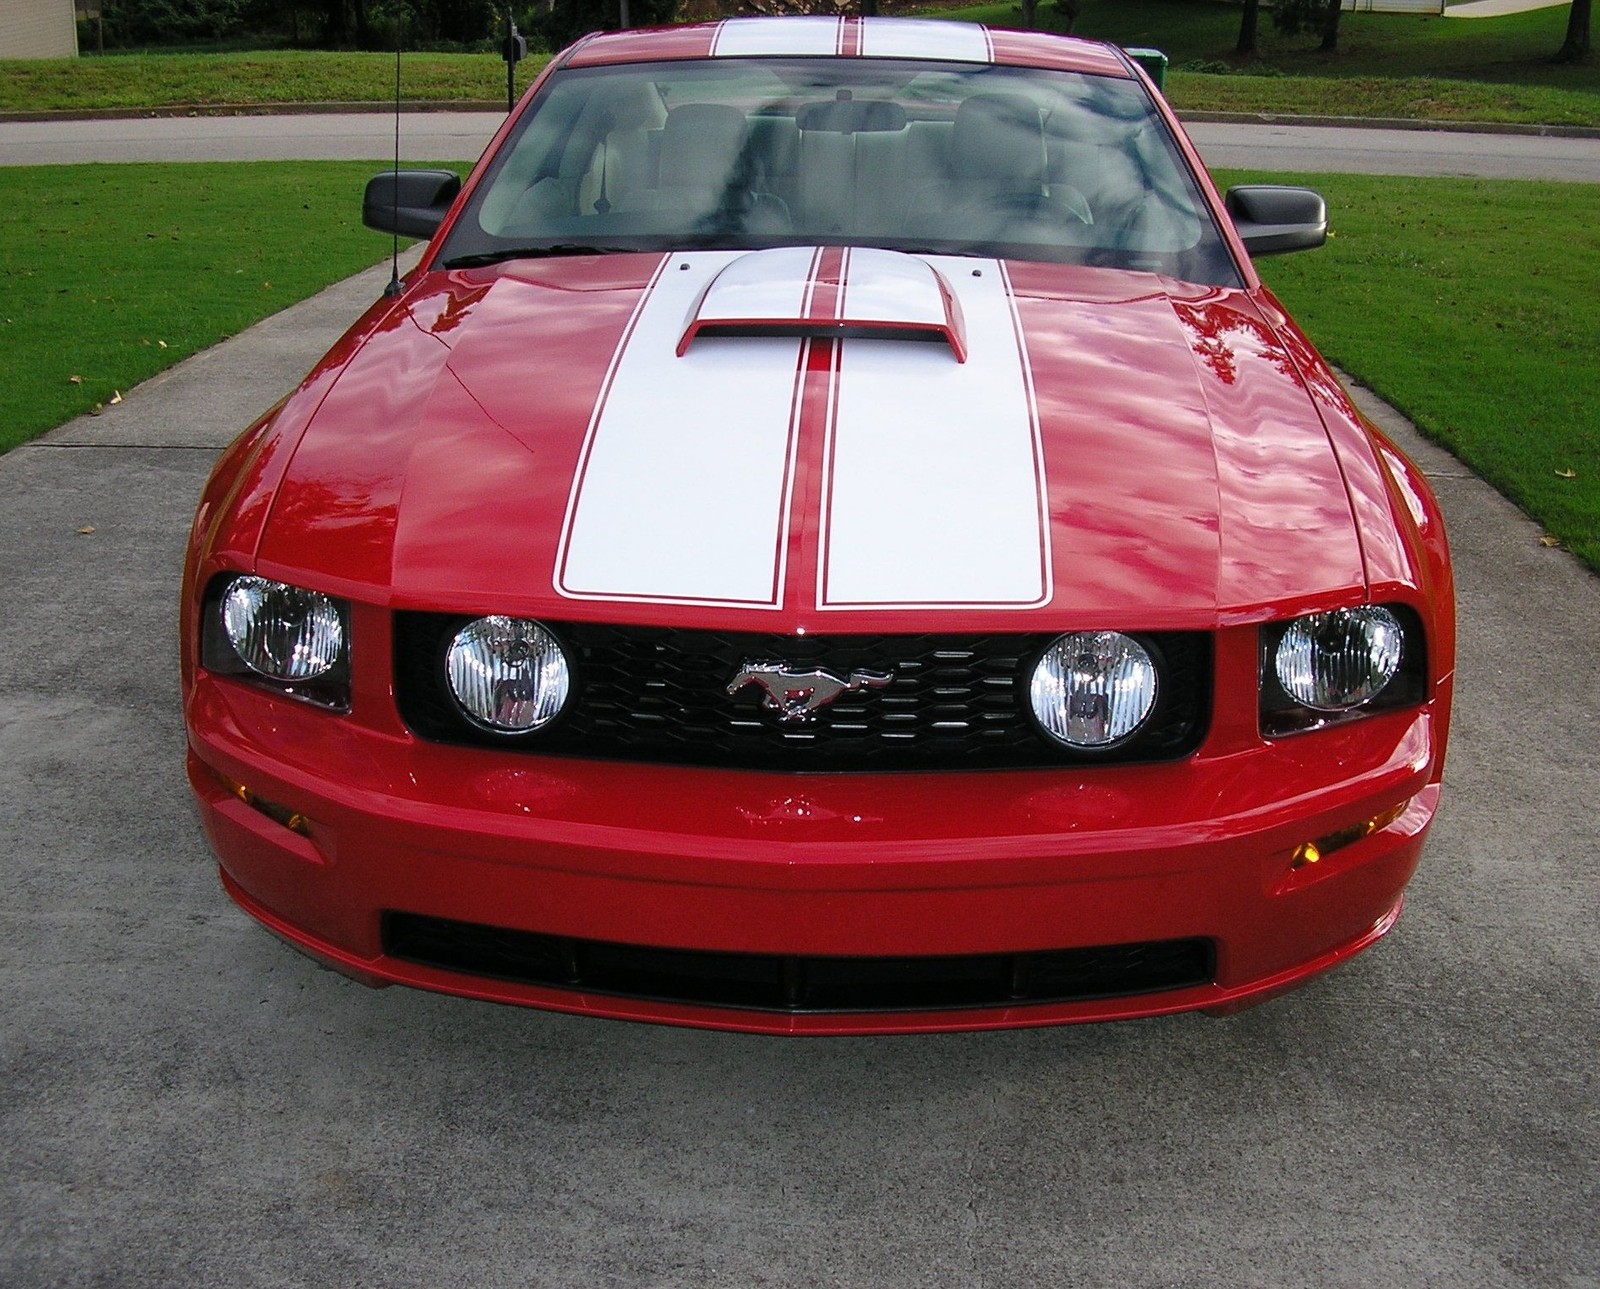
(649, 694)
(766, 982)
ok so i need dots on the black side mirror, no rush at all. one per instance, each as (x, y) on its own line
(1272, 220)
(412, 203)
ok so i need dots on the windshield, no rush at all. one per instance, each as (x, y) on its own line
(944, 158)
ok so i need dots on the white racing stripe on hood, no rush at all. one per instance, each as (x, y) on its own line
(934, 483)
(682, 494)
(933, 489)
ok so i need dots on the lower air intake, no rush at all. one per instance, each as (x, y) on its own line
(769, 982)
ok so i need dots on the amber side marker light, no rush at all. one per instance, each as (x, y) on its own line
(1308, 853)
(293, 820)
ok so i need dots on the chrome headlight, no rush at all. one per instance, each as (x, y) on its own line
(1092, 689)
(1332, 662)
(1336, 666)
(282, 632)
(508, 675)
(290, 639)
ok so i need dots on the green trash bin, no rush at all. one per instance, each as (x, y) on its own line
(1154, 63)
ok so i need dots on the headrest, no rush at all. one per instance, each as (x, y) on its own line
(635, 105)
(999, 139)
(700, 145)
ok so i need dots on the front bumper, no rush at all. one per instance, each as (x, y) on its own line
(813, 866)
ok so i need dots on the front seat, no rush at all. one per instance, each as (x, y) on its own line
(994, 186)
(708, 178)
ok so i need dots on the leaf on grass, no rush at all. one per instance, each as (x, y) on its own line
(162, 343)
(86, 530)
(1550, 542)
(74, 380)
(97, 409)
(1566, 474)
(116, 397)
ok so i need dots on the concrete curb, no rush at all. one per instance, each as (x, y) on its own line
(1391, 123)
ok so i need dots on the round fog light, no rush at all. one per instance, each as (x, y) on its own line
(1332, 662)
(1093, 689)
(509, 675)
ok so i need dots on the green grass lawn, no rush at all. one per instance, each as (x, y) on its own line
(1516, 47)
(109, 274)
(266, 78)
(1392, 65)
(1468, 304)
(1396, 65)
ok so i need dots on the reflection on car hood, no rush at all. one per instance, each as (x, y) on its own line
(552, 438)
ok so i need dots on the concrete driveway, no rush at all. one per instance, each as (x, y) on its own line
(184, 1101)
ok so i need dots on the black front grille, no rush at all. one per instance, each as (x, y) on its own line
(649, 694)
(768, 982)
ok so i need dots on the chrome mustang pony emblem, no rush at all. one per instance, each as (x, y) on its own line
(796, 695)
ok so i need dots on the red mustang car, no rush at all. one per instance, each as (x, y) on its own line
(833, 537)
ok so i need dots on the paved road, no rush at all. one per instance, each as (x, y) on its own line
(354, 136)
(184, 1101)
(1350, 150)
(442, 136)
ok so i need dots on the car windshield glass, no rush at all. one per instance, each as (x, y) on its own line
(937, 157)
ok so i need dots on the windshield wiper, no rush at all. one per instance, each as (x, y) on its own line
(530, 253)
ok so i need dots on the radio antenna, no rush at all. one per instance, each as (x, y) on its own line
(393, 289)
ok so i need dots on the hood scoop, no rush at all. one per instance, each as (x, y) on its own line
(829, 292)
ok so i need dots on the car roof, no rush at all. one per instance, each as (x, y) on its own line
(912, 38)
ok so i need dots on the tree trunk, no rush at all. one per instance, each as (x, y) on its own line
(1029, 8)
(1247, 27)
(1330, 25)
(1576, 47)
(1070, 9)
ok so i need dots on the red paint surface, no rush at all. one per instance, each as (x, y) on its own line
(1205, 471)
(1192, 479)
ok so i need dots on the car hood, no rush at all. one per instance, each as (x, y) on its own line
(1033, 446)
